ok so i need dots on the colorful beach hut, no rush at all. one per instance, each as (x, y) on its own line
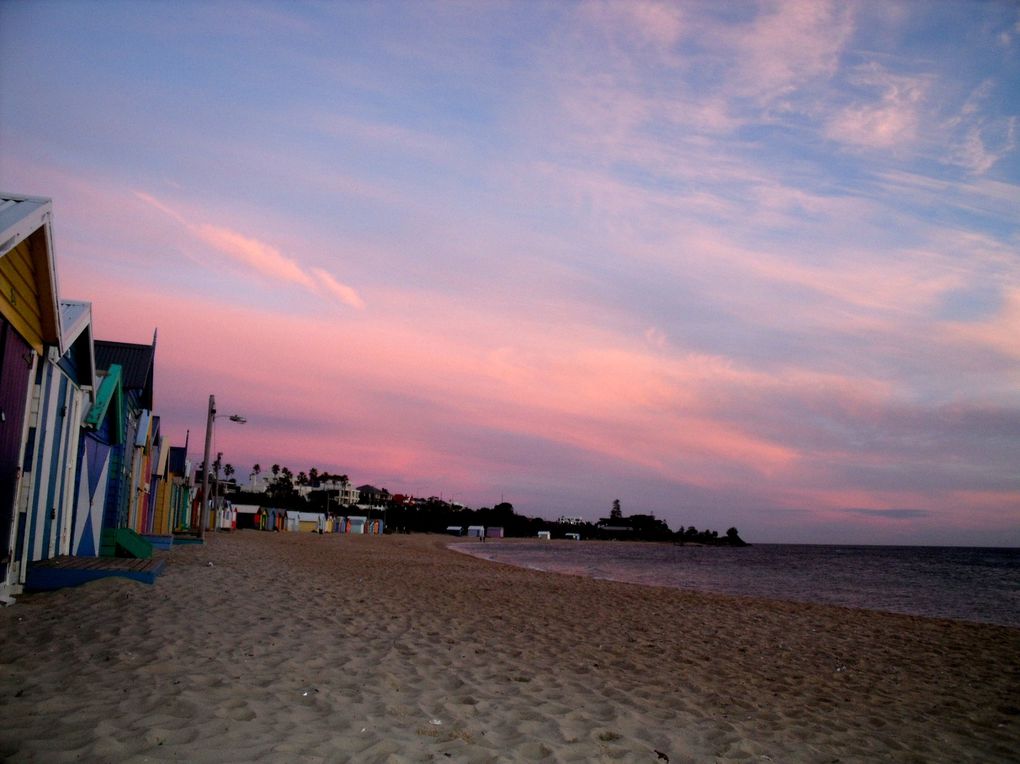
(276, 519)
(476, 531)
(129, 460)
(102, 432)
(29, 322)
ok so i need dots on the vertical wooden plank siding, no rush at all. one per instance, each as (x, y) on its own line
(17, 364)
(47, 501)
(67, 503)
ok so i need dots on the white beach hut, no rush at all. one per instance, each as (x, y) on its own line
(305, 522)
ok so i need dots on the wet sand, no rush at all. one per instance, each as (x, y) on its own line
(295, 647)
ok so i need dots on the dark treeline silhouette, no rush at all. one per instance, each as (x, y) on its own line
(404, 514)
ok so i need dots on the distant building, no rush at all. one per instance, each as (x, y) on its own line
(346, 492)
(371, 496)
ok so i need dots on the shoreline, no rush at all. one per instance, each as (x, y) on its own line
(262, 647)
(656, 570)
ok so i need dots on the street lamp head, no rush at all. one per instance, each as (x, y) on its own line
(238, 418)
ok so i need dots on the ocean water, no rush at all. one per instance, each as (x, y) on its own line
(962, 583)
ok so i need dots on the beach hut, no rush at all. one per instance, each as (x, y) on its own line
(374, 527)
(455, 530)
(356, 524)
(247, 516)
(161, 522)
(61, 394)
(572, 536)
(29, 322)
(179, 480)
(129, 458)
(101, 434)
(226, 517)
(494, 532)
(544, 535)
(476, 531)
(305, 522)
(276, 519)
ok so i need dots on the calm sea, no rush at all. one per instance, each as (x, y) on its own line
(945, 582)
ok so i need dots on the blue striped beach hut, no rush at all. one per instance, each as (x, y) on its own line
(61, 396)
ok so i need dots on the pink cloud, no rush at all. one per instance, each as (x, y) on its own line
(655, 23)
(342, 292)
(260, 257)
(890, 122)
(787, 44)
(1000, 333)
(257, 255)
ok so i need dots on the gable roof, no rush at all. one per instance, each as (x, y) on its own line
(28, 278)
(136, 363)
(110, 393)
(76, 339)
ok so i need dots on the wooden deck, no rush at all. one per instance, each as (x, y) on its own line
(73, 571)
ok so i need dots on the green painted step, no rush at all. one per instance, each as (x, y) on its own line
(123, 542)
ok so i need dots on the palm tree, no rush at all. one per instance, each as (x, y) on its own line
(228, 470)
(302, 478)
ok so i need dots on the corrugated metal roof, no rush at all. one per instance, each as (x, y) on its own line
(135, 362)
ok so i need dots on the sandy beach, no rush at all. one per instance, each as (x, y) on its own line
(295, 647)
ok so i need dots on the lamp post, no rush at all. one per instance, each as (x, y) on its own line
(205, 463)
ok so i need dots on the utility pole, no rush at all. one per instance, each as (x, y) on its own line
(205, 467)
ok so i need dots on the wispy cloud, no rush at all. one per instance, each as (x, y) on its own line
(342, 292)
(889, 119)
(258, 256)
(261, 258)
(891, 514)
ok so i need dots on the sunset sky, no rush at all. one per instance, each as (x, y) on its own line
(730, 263)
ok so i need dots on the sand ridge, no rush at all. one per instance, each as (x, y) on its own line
(300, 647)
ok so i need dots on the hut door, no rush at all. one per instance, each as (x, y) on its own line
(16, 361)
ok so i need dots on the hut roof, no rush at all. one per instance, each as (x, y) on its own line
(136, 362)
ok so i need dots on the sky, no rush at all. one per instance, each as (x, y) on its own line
(734, 264)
